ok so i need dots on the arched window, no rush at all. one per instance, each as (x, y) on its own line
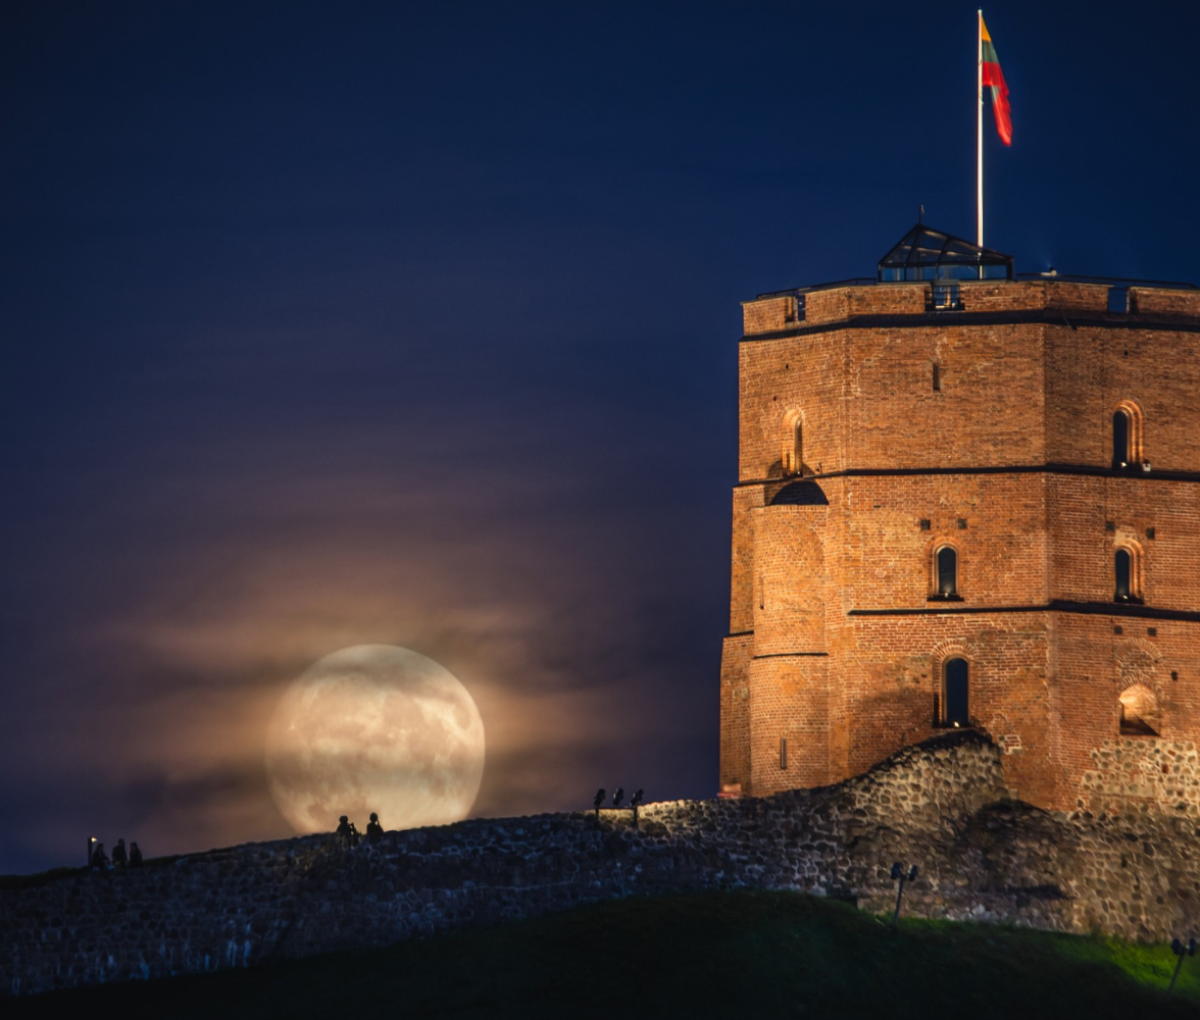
(947, 572)
(1121, 455)
(954, 685)
(1124, 572)
(792, 452)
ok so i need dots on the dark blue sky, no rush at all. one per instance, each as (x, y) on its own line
(417, 325)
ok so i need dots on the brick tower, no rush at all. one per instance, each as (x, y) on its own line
(968, 499)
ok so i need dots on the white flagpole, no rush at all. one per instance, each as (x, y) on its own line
(979, 137)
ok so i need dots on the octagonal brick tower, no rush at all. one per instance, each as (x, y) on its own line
(968, 499)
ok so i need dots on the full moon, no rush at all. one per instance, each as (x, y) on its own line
(374, 728)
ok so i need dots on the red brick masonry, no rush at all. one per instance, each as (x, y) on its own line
(987, 429)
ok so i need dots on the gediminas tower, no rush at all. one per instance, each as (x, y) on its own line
(968, 499)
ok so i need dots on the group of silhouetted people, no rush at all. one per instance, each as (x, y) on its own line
(349, 834)
(635, 801)
(121, 858)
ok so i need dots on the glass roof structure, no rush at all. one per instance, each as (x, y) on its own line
(927, 254)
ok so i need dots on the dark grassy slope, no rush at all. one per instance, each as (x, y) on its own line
(707, 954)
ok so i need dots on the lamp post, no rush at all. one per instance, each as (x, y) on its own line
(1180, 950)
(635, 803)
(898, 872)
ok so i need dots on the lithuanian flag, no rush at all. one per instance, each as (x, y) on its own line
(990, 74)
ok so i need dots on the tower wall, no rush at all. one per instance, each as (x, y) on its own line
(875, 431)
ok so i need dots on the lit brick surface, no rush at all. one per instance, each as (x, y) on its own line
(836, 646)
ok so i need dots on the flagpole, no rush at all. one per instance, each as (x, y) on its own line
(979, 133)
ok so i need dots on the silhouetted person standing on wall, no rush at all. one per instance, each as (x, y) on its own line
(347, 832)
(119, 857)
(374, 829)
(135, 856)
(99, 858)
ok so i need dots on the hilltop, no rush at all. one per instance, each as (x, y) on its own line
(695, 954)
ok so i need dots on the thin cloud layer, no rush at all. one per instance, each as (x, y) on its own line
(244, 579)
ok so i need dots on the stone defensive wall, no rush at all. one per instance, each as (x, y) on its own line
(941, 805)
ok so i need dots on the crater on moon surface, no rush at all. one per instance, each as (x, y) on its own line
(374, 728)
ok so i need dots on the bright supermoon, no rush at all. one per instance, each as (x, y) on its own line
(374, 728)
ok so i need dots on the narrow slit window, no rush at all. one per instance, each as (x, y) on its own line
(798, 450)
(947, 571)
(937, 379)
(783, 753)
(955, 680)
(1120, 439)
(1124, 570)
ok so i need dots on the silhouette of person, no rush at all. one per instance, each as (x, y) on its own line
(347, 832)
(135, 856)
(374, 829)
(99, 858)
(119, 857)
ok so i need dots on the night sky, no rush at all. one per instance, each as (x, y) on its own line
(333, 324)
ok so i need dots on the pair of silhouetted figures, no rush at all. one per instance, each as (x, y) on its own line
(349, 834)
(99, 860)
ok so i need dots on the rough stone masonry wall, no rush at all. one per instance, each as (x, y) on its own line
(940, 804)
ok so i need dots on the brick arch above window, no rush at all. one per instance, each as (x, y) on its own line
(792, 437)
(951, 649)
(1137, 662)
(1134, 455)
(940, 655)
(945, 570)
(1128, 571)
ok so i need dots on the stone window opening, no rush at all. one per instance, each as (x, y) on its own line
(1127, 452)
(1138, 712)
(793, 446)
(955, 692)
(1121, 455)
(945, 574)
(1127, 585)
(944, 297)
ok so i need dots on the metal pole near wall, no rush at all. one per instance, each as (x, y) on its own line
(1180, 950)
(898, 872)
(979, 130)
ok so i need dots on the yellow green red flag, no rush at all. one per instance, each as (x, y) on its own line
(990, 74)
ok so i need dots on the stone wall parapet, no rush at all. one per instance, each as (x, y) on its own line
(941, 804)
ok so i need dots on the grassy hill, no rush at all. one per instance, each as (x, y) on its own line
(762, 955)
